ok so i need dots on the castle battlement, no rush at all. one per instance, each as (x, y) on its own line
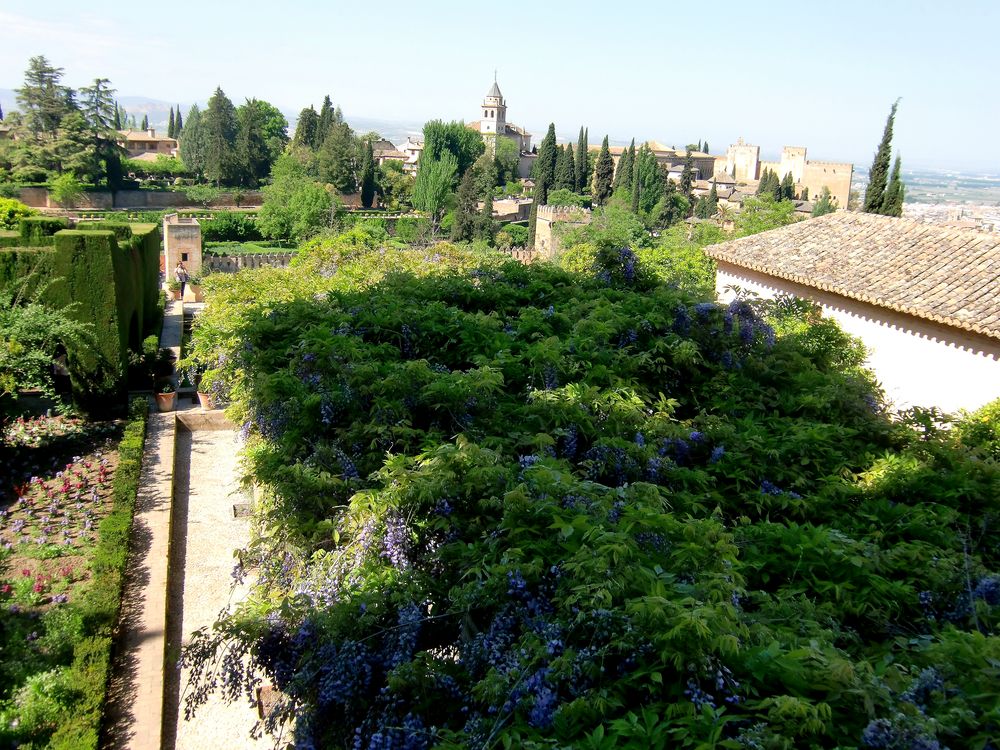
(564, 213)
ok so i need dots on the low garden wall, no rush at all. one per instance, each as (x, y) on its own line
(233, 263)
(104, 200)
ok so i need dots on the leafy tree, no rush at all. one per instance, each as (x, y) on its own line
(65, 189)
(893, 204)
(307, 128)
(337, 159)
(42, 99)
(252, 155)
(463, 228)
(565, 176)
(763, 212)
(192, 142)
(581, 163)
(506, 158)
(825, 204)
(368, 185)
(563, 197)
(203, 194)
(294, 206)
(603, 174)
(879, 172)
(434, 184)
(170, 123)
(220, 128)
(465, 144)
(395, 186)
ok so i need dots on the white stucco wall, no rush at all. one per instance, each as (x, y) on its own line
(919, 363)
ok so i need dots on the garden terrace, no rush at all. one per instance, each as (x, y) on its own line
(509, 505)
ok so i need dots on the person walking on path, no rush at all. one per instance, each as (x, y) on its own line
(181, 276)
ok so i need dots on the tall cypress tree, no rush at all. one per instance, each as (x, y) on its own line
(463, 228)
(178, 123)
(170, 124)
(220, 128)
(565, 173)
(485, 226)
(603, 174)
(879, 172)
(687, 176)
(118, 117)
(145, 122)
(705, 147)
(368, 176)
(764, 184)
(787, 187)
(582, 174)
(893, 205)
(635, 186)
(307, 128)
(325, 120)
(545, 166)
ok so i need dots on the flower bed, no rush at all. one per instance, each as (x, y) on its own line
(67, 496)
(513, 506)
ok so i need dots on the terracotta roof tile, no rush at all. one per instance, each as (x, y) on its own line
(950, 276)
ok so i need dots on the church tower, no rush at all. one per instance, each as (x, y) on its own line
(494, 112)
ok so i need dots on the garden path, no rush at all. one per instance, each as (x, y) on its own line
(205, 535)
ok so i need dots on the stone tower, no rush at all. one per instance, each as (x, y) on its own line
(494, 112)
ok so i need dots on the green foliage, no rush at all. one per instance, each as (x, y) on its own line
(878, 174)
(464, 145)
(65, 189)
(825, 205)
(762, 213)
(512, 235)
(122, 232)
(203, 194)
(367, 179)
(230, 226)
(894, 193)
(11, 213)
(564, 197)
(434, 185)
(163, 166)
(295, 207)
(219, 127)
(582, 163)
(411, 230)
(603, 174)
(981, 430)
(544, 509)
(36, 230)
(565, 174)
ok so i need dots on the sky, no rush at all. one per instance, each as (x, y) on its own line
(816, 74)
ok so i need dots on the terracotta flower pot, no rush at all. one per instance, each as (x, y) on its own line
(166, 401)
(206, 400)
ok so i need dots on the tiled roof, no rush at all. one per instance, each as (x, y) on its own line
(950, 276)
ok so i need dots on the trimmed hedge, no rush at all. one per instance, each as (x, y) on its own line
(38, 230)
(100, 607)
(18, 263)
(122, 231)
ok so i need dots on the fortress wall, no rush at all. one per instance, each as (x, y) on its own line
(834, 175)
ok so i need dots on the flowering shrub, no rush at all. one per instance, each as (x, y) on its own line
(512, 506)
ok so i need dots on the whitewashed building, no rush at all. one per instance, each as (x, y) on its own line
(924, 299)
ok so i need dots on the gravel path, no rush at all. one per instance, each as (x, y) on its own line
(205, 536)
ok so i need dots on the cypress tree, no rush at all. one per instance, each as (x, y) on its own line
(603, 174)
(325, 120)
(687, 176)
(565, 177)
(787, 188)
(580, 164)
(219, 125)
(486, 229)
(368, 176)
(170, 124)
(1, 114)
(879, 172)
(765, 183)
(893, 205)
(145, 122)
(623, 175)
(546, 163)
(635, 186)
(713, 199)
(118, 117)
(463, 229)
(805, 194)
(307, 128)
(705, 147)
(178, 123)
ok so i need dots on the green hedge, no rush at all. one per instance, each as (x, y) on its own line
(122, 231)
(101, 605)
(16, 264)
(38, 230)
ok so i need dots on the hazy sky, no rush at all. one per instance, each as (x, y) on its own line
(818, 74)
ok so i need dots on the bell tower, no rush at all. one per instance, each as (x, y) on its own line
(494, 112)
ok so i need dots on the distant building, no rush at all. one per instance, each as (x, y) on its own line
(383, 151)
(146, 144)
(494, 124)
(743, 164)
(411, 150)
(703, 164)
(925, 300)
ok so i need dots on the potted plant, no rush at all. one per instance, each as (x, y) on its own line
(166, 398)
(175, 289)
(206, 389)
(193, 291)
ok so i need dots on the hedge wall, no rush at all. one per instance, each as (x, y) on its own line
(115, 287)
(38, 230)
(16, 264)
(122, 231)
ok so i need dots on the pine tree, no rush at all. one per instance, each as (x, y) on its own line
(145, 122)
(893, 205)
(875, 192)
(170, 124)
(307, 128)
(325, 120)
(603, 174)
(178, 123)
(580, 165)
(368, 176)
(787, 187)
(220, 129)
(43, 100)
